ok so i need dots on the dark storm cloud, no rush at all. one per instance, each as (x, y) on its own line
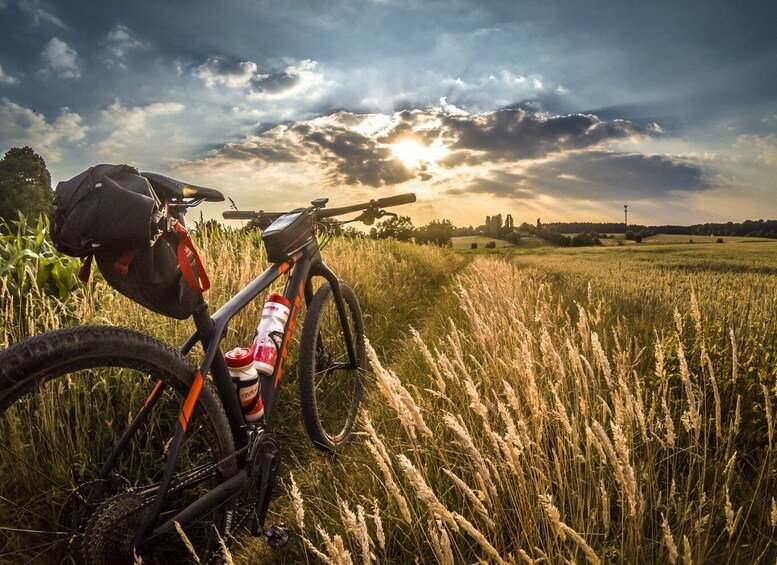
(516, 134)
(354, 158)
(601, 175)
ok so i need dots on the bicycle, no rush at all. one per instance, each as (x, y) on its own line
(186, 467)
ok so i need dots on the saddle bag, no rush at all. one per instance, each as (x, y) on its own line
(109, 207)
(112, 214)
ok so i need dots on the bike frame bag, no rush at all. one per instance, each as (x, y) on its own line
(287, 234)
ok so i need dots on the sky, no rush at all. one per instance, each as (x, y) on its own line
(558, 110)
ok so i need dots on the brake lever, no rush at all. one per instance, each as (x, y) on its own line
(369, 216)
(262, 223)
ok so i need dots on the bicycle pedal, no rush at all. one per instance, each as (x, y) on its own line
(277, 536)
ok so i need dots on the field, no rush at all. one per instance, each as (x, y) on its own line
(466, 241)
(601, 405)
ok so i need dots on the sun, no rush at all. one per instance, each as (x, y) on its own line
(414, 154)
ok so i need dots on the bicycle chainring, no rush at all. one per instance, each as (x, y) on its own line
(111, 530)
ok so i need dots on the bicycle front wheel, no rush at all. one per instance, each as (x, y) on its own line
(331, 384)
(65, 399)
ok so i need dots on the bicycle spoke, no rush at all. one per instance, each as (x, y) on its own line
(29, 465)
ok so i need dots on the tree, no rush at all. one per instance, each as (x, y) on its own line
(438, 232)
(396, 227)
(494, 226)
(25, 184)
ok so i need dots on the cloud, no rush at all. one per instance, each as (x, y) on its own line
(22, 126)
(234, 75)
(120, 41)
(297, 79)
(353, 158)
(39, 13)
(498, 185)
(514, 134)
(763, 148)
(132, 128)
(604, 175)
(348, 148)
(6, 79)
(61, 59)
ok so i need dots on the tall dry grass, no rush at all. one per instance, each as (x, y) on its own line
(541, 430)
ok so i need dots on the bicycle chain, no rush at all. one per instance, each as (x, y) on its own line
(207, 470)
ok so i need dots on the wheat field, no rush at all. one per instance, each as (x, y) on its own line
(556, 406)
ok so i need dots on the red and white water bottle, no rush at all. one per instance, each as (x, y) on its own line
(269, 333)
(240, 362)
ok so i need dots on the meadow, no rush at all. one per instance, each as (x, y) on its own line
(601, 405)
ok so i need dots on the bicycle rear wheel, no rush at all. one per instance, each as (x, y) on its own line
(330, 384)
(65, 399)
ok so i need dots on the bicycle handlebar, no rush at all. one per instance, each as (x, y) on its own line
(250, 214)
(323, 213)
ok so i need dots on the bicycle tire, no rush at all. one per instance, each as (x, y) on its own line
(51, 388)
(330, 396)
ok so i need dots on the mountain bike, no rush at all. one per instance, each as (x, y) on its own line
(169, 465)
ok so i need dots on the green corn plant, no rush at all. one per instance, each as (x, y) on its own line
(28, 260)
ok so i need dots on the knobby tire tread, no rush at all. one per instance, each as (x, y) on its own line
(307, 363)
(31, 363)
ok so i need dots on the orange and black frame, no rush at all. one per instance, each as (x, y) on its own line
(301, 267)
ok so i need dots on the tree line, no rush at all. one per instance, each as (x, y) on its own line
(748, 228)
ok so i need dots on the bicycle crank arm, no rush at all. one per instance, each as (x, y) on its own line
(203, 505)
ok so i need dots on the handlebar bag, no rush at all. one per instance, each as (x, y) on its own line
(287, 234)
(108, 207)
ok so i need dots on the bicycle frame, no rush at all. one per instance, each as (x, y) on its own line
(301, 267)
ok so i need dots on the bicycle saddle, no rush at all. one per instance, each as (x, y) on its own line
(175, 189)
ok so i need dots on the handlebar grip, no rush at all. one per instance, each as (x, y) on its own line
(408, 198)
(238, 215)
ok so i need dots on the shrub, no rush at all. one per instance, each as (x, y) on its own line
(719, 240)
(490, 245)
(474, 245)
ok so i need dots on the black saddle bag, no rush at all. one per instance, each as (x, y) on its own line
(109, 207)
(112, 214)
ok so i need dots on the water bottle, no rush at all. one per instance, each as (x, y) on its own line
(240, 362)
(269, 333)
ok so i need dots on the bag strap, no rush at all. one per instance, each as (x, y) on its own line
(86, 269)
(199, 282)
(123, 262)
